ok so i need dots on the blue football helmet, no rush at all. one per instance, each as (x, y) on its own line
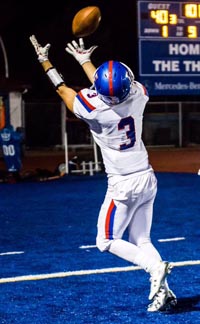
(112, 81)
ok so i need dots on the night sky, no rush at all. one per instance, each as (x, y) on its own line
(116, 38)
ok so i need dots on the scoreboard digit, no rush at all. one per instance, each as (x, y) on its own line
(169, 47)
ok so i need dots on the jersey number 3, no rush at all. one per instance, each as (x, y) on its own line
(130, 133)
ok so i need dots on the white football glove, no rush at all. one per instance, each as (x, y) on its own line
(42, 52)
(79, 52)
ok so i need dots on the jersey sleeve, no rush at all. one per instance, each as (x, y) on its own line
(142, 88)
(83, 105)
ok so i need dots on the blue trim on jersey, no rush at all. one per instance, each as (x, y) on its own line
(85, 103)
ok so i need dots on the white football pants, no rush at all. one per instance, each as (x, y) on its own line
(128, 210)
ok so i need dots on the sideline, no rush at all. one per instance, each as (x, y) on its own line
(87, 272)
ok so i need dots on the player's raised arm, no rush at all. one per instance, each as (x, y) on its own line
(66, 93)
(83, 56)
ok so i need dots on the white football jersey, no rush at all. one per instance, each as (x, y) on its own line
(116, 129)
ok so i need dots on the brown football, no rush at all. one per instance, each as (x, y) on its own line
(86, 21)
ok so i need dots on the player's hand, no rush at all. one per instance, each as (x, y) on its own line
(42, 52)
(79, 52)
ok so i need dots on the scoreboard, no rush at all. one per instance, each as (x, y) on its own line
(169, 47)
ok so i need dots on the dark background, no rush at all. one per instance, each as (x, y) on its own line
(51, 22)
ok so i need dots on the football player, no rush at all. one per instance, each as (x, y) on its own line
(113, 109)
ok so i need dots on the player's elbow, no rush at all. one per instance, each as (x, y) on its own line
(68, 96)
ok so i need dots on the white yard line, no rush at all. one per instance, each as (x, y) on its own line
(171, 239)
(87, 246)
(87, 272)
(159, 240)
(11, 253)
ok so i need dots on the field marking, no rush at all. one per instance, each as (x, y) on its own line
(87, 272)
(159, 240)
(94, 246)
(171, 239)
(11, 253)
(87, 246)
